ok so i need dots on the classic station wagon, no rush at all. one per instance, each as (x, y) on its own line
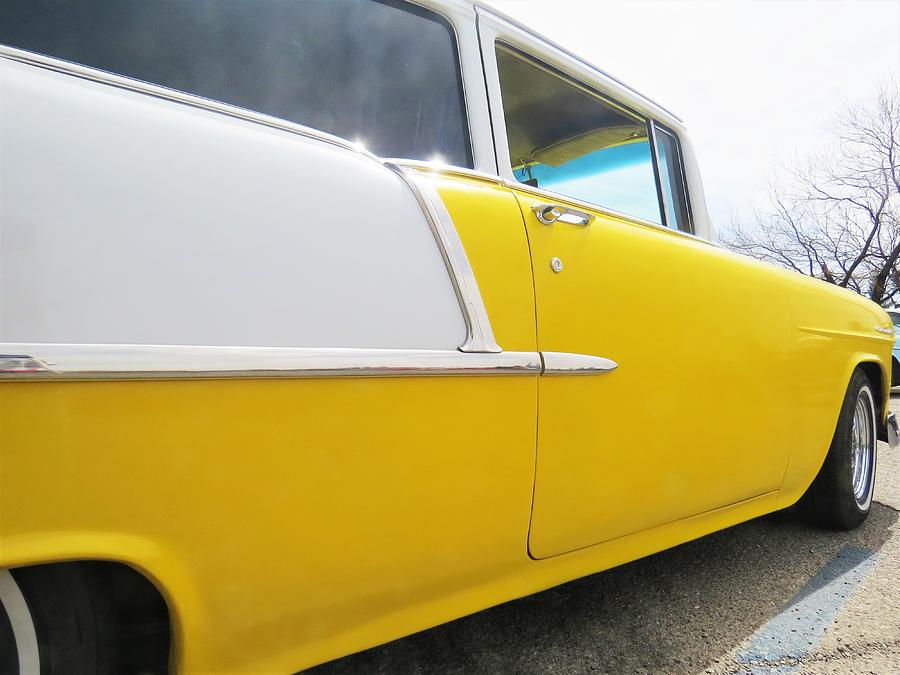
(326, 322)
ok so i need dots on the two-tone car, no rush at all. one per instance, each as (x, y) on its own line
(322, 323)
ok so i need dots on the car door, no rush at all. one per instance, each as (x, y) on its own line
(693, 417)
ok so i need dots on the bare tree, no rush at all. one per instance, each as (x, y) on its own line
(837, 217)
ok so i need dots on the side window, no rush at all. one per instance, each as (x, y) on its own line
(671, 179)
(565, 138)
(384, 73)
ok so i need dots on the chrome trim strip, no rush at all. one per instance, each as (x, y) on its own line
(655, 129)
(148, 362)
(479, 334)
(857, 335)
(21, 364)
(566, 363)
(140, 362)
(657, 176)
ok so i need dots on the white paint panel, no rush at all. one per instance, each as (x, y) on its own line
(125, 218)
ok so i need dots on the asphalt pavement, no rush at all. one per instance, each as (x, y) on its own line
(769, 596)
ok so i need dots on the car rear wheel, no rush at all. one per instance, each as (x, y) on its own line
(18, 637)
(90, 618)
(56, 622)
(841, 495)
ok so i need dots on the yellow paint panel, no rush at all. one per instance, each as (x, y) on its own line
(695, 417)
(289, 522)
(300, 508)
(279, 515)
(833, 333)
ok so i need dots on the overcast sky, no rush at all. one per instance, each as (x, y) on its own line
(756, 82)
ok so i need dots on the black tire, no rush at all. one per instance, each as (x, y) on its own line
(74, 621)
(831, 500)
(75, 614)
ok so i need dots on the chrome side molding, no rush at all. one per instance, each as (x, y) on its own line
(566, 363)
(35, 362)
(140, 362)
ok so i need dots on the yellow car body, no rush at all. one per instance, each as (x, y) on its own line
(288, 521)
(418, 512)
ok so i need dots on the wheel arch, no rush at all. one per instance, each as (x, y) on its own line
(880, 376)
(160, 568)
(802, 472)
(84, 609)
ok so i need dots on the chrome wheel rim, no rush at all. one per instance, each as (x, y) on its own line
(862, 448)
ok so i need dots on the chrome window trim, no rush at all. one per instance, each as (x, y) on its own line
(664, 207)
(37, 362)
(685, 194)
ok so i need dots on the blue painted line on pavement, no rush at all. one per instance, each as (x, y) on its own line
(798, 629)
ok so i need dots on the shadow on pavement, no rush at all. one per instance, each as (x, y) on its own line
(673, 612)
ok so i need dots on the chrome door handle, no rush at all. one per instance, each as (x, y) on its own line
(550, 213)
